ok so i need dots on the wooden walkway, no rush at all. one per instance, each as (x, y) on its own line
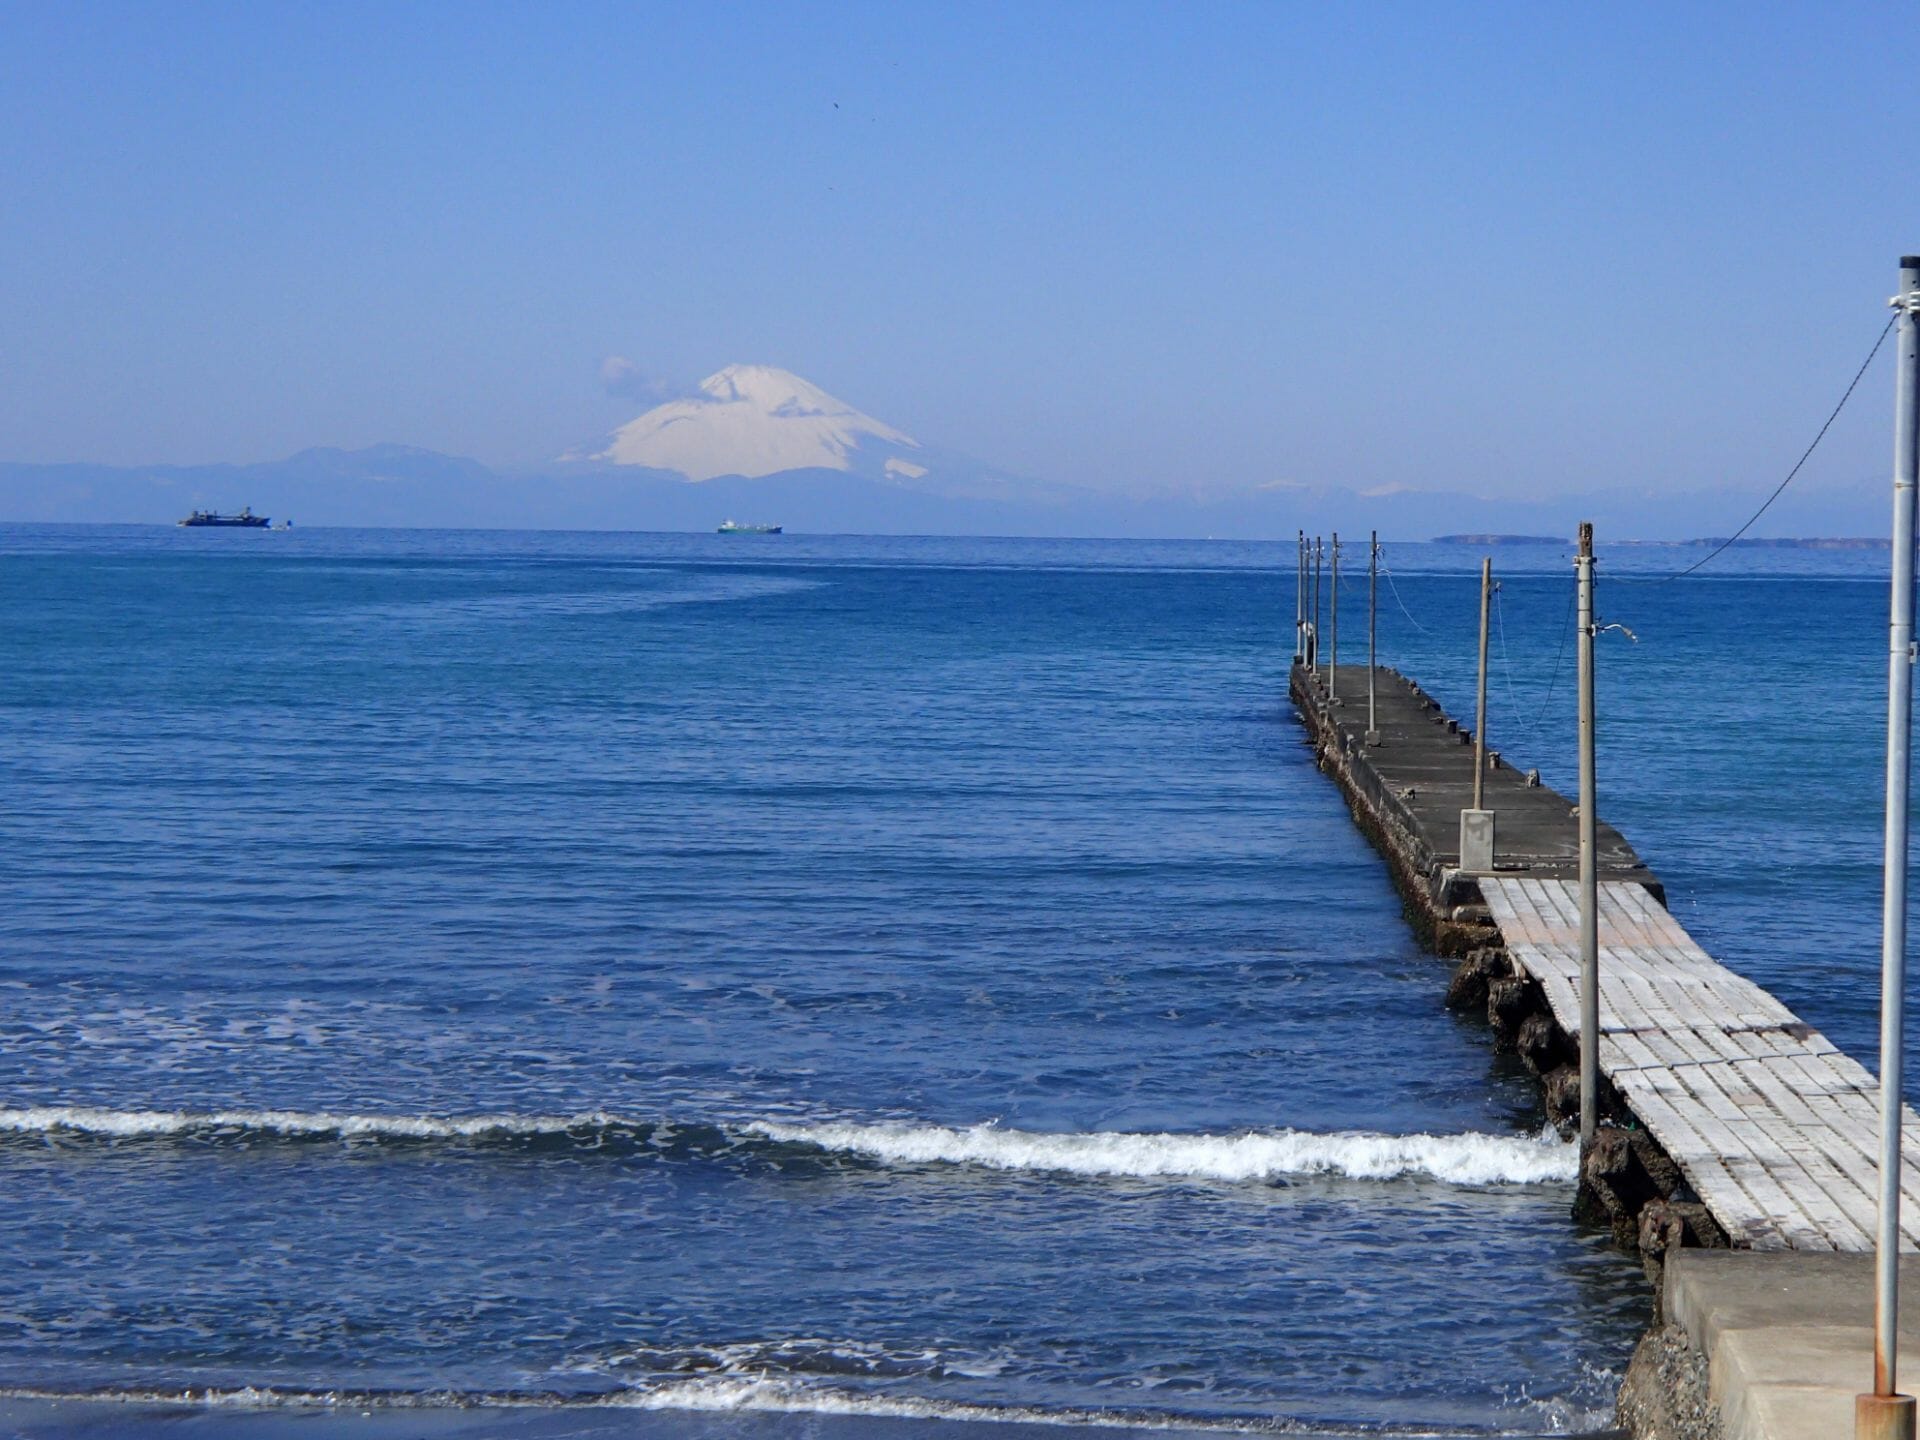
(1775, 1129)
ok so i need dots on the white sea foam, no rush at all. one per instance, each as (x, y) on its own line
(1468, 1159)
(725, 1393)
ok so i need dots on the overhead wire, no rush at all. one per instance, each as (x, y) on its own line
(1388, 572)
(1506, 664)
(1566, 625)
(1779, 489)
(1566, 629)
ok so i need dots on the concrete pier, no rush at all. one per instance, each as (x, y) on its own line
(1737, 1150)
(1760, 1347)
(1408, 792)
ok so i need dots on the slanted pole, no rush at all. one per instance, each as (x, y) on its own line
(1886, 1413)
(1589, 879)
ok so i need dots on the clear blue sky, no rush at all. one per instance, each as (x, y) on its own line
(1501, 247)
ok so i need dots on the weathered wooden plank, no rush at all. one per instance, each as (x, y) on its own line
(1707, 1170)
(1528, 904)
(1854, 1177)
(1773, 1127)
(1807, 1179)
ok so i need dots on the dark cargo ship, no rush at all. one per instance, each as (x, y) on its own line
(245, 520)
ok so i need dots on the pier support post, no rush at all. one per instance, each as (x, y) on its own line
(1476, 825)
(1373, 611)
(1589, 877)
(1886, 1414)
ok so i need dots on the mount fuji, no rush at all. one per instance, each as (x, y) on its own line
(754, 420)
(774, 436)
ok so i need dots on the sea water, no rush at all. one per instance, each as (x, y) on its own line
(833, 976)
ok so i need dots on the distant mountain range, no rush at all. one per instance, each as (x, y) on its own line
(759, 444)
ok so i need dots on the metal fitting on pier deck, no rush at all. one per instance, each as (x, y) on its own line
(1883, 1417)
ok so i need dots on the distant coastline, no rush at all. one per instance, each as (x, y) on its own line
(1810, 542)
(1869, 542)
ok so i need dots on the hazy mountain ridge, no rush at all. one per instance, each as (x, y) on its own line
(405, 486)
(760, 444)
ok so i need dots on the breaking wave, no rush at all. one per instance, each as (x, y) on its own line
(1252, 1155)
(1255, 1155)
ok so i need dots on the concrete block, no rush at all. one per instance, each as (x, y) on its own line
(1788, 1336)
(1476, 841)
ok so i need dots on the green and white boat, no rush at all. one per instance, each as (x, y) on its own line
(734, 527)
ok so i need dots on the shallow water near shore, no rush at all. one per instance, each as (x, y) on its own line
(797, 981)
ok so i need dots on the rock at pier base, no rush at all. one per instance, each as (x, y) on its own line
(1543, 1048)
(1509, 1002)
(1612, 1177)
(1667, 1225)
(1630, 1184)
(1664, 1396)
(1468, 988)
(1560, 1093)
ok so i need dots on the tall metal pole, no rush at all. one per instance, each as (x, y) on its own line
(1887, 1413)
(1317, 550)
(1299, 596)
(1373, 612)
(1333, 654)
(1480, 713)
(1589, 879)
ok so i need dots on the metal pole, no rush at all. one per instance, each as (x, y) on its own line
(1318, 549)
(1373, 612)
(1589, 881)
(1305, 630)
(1333, 654)
(1887, 1413)
(1299, 595)
(1480, 714)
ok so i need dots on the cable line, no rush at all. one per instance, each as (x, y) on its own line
(1506, 665)
(1384, 570)
(1566, 629)
(1781, 487)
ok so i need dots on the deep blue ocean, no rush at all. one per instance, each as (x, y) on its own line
(834, 975)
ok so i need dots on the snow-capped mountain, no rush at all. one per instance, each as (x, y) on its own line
(755, 420)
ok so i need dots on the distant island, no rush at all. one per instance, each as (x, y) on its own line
(1500, 540)
(1814, 543)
